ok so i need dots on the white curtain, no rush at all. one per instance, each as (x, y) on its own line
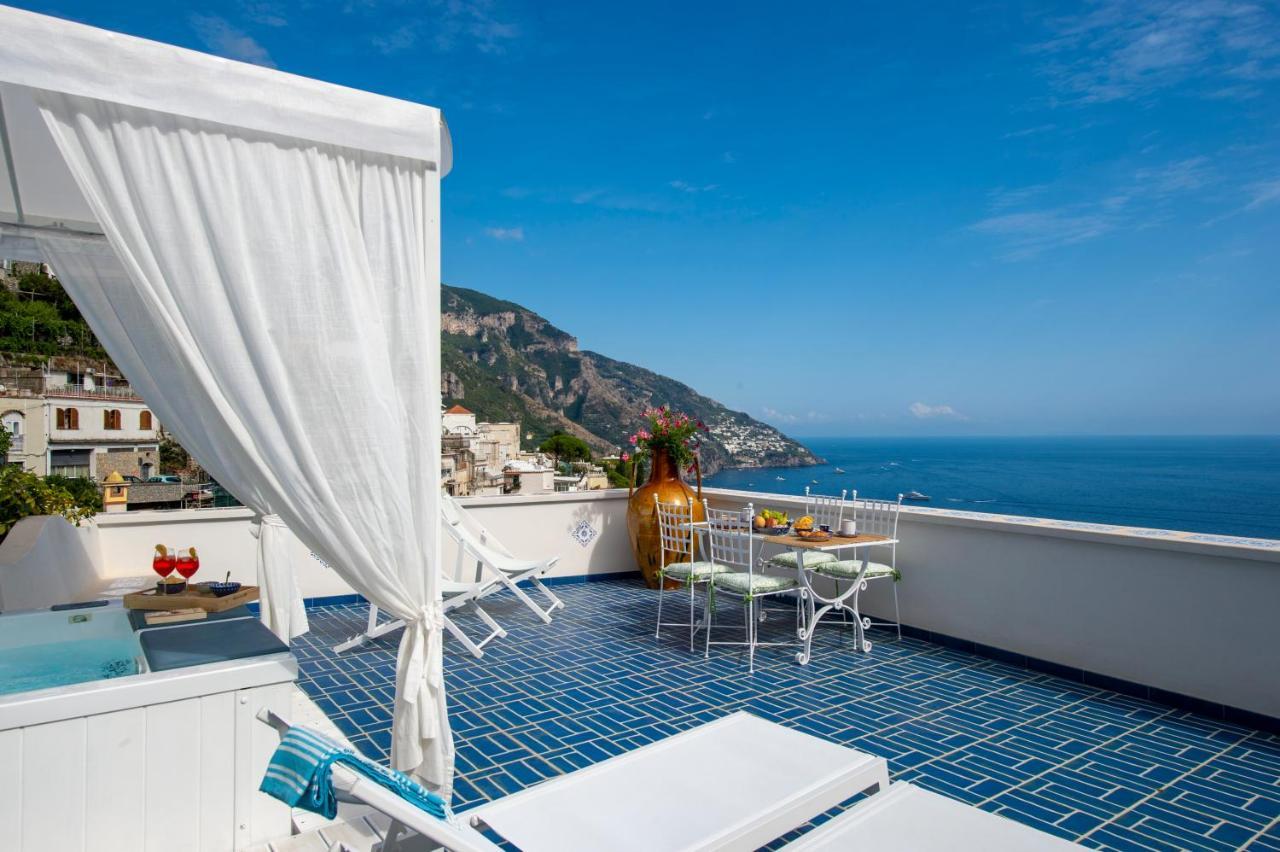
(277, 302)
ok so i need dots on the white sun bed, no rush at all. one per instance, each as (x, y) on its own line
(732, 784)
(906, 818)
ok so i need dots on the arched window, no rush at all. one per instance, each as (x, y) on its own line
(66, 418)
(111, 418)
(60, 418)
(144, 419)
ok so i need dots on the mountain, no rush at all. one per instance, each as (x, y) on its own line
(504, 362)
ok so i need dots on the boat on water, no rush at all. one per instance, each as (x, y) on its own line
(839, 470)
(781, 478)
(915, 495)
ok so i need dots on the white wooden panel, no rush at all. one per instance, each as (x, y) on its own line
(173, 775)
(269, 818)
(115, 779)
(11, 783)
(53, 786)
(217, 772)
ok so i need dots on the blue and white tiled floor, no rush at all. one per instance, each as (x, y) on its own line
(1101, 768)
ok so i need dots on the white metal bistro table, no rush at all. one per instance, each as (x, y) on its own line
(847, 600)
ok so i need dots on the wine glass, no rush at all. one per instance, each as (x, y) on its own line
(187, 562)
(162, 564)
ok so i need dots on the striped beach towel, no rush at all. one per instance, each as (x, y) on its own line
(300, 775)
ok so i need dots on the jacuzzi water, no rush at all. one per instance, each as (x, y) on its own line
(39, 650)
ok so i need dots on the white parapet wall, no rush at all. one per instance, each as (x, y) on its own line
(1187, 613)
(588, 530)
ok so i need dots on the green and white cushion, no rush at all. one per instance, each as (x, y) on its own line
(753, 584)
(847, 569)
(788, 559)
(699, 570)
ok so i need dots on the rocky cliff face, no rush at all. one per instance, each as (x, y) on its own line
(505, 362)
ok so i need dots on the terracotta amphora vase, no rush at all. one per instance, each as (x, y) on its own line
(642, 516)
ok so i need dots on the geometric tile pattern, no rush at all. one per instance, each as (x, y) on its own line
(1105, 769)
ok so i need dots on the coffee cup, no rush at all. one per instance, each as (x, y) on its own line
(848, 527)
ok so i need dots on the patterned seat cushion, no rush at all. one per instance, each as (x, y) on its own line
(788, 559)
(847, 569)
(754, 584)
(683, 570)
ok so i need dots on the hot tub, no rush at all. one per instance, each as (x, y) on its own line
(39, 650)
(116, 735)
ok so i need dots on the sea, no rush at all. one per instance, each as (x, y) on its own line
(1224, 485)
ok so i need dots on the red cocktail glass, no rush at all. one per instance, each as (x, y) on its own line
(162, 564)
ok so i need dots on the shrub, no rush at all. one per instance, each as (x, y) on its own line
(23, 493)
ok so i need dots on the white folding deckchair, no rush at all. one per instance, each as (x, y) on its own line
(906, 818)
(741, 782)
(456, 594)
(504, 572)
(488, 551)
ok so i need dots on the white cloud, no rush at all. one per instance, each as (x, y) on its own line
(1128, 49)
(451, 24)
(505, 235)
(219, 36)
(927, 412)
(728, 158)
(810, 416)
(1263, 193)
(1030, 232)
(264, 12)
(685, 186)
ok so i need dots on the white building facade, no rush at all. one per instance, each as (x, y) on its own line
(76, 427)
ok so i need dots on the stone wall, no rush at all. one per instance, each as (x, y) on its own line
(127, 462)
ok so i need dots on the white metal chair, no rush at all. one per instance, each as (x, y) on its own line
(823, 510)
(877, 517)
(676, 536)
(731, 545)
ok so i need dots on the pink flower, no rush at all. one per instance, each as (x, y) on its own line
(633, 440)
(626, 457)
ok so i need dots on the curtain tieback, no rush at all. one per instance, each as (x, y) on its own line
(264, 519)
(429, 619)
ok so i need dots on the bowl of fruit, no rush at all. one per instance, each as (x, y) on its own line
(771, 522)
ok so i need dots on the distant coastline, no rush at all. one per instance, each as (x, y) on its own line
(1213, 484)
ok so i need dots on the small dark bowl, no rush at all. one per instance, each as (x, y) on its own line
(221, 590)
(779, 530)
(163, 588)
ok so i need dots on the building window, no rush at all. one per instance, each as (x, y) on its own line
(111, 418)
(144, 419)
(67, 418)
(13, 421)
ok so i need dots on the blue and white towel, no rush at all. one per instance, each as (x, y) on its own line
(300, 775)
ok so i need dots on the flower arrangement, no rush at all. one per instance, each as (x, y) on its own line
(673, 431)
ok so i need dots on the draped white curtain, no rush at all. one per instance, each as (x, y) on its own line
(277, 303)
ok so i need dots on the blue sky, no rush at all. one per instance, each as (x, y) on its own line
(909, 218)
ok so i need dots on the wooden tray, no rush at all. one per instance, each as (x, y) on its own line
(192, 597)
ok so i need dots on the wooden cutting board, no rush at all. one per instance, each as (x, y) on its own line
(193, 596)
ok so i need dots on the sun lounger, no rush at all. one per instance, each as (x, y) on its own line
(732, 784)
(906, 818)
